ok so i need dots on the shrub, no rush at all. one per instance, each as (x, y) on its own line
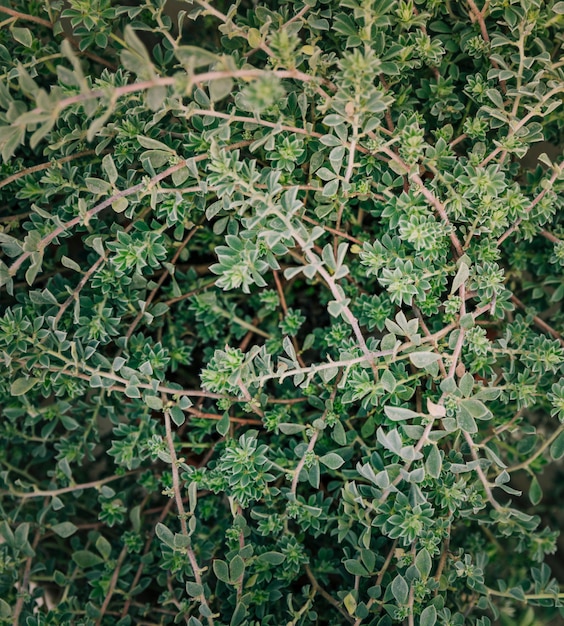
(281, 323)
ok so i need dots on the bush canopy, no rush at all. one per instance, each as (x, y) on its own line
(281, 323)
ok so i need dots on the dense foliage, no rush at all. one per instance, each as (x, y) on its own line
(281, 318)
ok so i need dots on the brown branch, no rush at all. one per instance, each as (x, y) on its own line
(322, 592)
(45, 241)
(112, 585)
(161, 280)
(146, 550)
(533, 204)
(550, 236)
(24, 586)
(479, 17)
(538, 321)
(25, 16)
(182, 512)
(49, 493)
(44, 166)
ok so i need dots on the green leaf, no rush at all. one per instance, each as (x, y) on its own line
(109, 168)
(98, 186)
(398, 414)
(558, 8)
(165, 535)
(220, 89)
(423, 359)
(21, 535)
(434, 462)
(535, 491)
(423, 563)
(254, 37)
(461, 277)
(428, 616)
(290, 429)
(239, 615)
(272, 558)
(557, 447)
(23, 36)
(153, 402)
(177, 414)
(135, 57)
(400, 589)
(85, 559)
(194, 57)
(350, 603)
(332, 460)
(194, 590)
(221, 570)
(64, 529)
(388, 381)
(132, 392)
(477, 409)
(104, 547)
(355, 568)
(120, 204)
(21, 386)
(236, 567)
(466, 385)
(5, 609)
(222, 426)
(465, 421)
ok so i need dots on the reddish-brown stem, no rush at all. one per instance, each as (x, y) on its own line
(334, 231)
(533, 204)
(181, 511)
(24, 585)
(430, 197)
(112, 585)
(25, 16)
(479, 17)
(108, 202)
(483, 478)
(538, 321)
(323, 593)
(44, 166)
(550, 236)
(50, 493)
(139, 572)
(214, 416)
(443, 559)
(380, 577)
(160, 282)
(284, 306)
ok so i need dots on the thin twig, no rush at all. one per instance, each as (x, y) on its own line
(538, 321)
(182, 512)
